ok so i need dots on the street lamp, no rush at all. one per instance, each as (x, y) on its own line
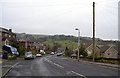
(26, 43)
(78, 42)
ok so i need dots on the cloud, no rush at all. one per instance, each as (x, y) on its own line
(61, 16)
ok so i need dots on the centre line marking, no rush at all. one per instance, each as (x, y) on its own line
(58, 65)
(54, 63)
(78, 74)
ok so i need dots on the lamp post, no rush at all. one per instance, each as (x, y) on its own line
(94, 31)
(78, 43)
(26, 43)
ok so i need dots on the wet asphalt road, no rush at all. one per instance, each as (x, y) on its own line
(53, 65)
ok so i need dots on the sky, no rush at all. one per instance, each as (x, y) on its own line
(51, 17)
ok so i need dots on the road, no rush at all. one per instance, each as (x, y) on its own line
(53, 65)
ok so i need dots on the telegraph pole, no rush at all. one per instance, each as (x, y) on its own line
(93, 31)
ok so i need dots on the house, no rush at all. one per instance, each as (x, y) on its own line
(106, 51)
(7, 36)
(89, 50)
(28, 45)
(109, 52)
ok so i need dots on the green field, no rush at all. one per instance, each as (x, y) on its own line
(62, 43)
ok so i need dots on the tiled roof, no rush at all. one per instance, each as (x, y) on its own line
(5, 31)
(104, 48)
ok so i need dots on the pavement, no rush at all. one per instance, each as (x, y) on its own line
(106, 64)
(7, 65)
(116, 66)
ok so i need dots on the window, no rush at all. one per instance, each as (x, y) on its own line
(6, 42)
(9, 35)
(108, 53)
(0, 34)
(13, 36)
(6, 35)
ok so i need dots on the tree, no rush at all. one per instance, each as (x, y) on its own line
(83, 52)
(55, 46)
(67, 52)
(20, 49)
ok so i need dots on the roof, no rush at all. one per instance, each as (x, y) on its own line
(86, 45)
(116, 48)
(104, 48)
(91, 45)
(3, 30)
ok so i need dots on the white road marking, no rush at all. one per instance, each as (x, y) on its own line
(15, 64)
(10, 69)
(109, 67)
(58, 65)
(78, 74)
(54, 63)
(105, 66)
(68, 72)
(48, 60)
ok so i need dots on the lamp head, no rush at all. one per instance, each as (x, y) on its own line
(76, 29)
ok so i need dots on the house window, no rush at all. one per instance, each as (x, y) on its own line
(0, 34)
(108, 53)
(6, 42)
(13, 36)
(6, 35)
(9, 35)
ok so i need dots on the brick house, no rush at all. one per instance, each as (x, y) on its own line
(29, 45)
(7, 36)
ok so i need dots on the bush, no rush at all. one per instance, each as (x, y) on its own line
(83, 52)
(21, 50)
(67, 52)
(12, 57)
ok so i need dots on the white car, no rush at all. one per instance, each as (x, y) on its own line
(29, 55)
(52, 53)
(38, 55)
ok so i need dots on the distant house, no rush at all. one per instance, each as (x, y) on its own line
(29, 45)
(89, 50)
(109, 52)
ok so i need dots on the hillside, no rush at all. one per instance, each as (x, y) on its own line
(45, 38)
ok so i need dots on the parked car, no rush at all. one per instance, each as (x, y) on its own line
(29, 55)
(38, 55)
(58, 54)
(10, 49)
(52, 53)
(74, 55)
(1, 56)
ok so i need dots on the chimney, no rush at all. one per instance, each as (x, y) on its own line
(10, 30)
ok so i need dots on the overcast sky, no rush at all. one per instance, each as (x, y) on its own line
(50, 17)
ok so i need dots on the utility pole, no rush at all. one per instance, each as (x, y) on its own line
(93, 31)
